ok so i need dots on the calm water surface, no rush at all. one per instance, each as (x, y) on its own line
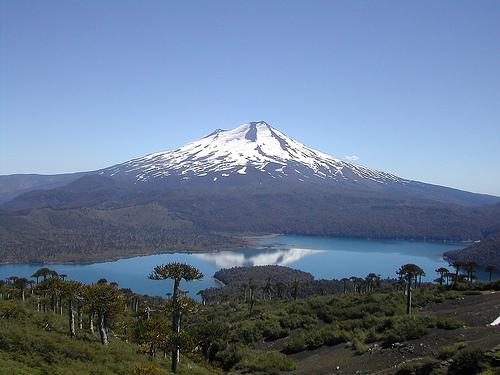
(324, 257)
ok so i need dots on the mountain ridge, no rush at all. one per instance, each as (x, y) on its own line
(199, 196)
(254, 154)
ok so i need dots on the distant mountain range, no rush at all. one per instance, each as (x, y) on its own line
(252, 179)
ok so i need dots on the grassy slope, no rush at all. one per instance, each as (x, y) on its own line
(36, 343)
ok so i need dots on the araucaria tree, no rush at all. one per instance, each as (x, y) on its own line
(489, 269)
(176, 272)
(442, 272)
(71, 290)
(457, 264)
(409, 272)
(20, 283)
(106, 302)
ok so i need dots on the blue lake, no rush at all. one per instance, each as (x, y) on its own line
(324, 257)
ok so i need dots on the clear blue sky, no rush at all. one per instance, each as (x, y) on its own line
(411, 88)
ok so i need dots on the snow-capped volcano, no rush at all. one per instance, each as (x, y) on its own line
(253, 148)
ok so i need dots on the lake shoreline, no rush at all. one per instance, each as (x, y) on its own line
(250, 241)
(325, 258)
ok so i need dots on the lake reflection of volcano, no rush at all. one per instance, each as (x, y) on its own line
(233, 258)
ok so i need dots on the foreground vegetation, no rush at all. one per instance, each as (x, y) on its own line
(54, 326)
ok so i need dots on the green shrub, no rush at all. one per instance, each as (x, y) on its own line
(147, 370)
(272, 330)
(328, 335)
(444, 322)
(294, 321)
(229, 357)
(472, 293)
(12, 310)
(406, 328)
(448, 351)
(296, 343)
(359, 346)
(271, 363)
(247, 332)
(468, 361)
(427, 366)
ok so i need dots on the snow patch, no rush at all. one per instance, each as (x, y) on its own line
(254, 144)
(495, 322)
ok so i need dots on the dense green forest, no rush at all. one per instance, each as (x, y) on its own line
(91, 234)
(97, 221)
(52, 325)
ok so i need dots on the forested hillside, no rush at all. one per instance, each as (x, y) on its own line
(112, 222)
(90, 234)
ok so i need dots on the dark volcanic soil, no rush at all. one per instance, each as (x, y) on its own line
(476, 311)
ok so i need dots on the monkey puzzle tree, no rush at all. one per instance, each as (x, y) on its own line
(442, 271)
(106, 301)
(267, 289)
(176, 272)
(344, 283)
(41, 272)
(70, 291)
(2, 289)
(372, 281)
(457, 264)
(409, 272)
(211, 337)
(470, 268)
(489, 269)
(295, 289)
(19, 283)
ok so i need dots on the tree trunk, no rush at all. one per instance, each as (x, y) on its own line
(102, 329)
(71, 316)
(176, 325)
(22, 294)
(79, 314)
(408, 296)
(91, 323)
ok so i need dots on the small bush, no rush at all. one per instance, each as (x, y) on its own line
(296, 343)
(272, 330)
(407, 328)
(294, 321)
(449, 351)
(272, 363)
(248, 332)
(359, 346)
(12, 310)
(147, 370)
(472, 293)
(448, 323)
(428, 366)
(468, 361)
(328, 335)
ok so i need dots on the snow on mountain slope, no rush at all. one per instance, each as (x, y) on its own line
(254, 148)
